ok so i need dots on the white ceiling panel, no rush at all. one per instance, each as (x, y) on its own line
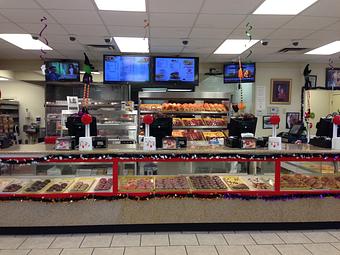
(18, 4)
(80, 17)
(168, 49)
(266, 21)
(334, 27)
(67, 45)
(67, 4)
(219, 20)
(290, 33)
(324, 36)
(166, 42)
(303, 22)
(255, 34)
(175, 6)
(10, 28)
(325, 8)
(205, 42)
(91, 39)
(169, 32)
(52, 29)
(26, 15)
(172, 20)
(127, 31)
(123, 18)
(210, 33)
(90, 30)
(3, 19)
(230, 7)
(195, 50)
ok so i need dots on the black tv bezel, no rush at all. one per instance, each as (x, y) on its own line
(64, 61)
(126, 82)
(326, 84)
(235, 63)
(194, 83)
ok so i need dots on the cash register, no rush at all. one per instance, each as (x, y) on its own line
(296, 133)
(324, 133)
(237, 128)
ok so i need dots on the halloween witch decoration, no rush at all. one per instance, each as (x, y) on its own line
(306, 73)
(241, 105)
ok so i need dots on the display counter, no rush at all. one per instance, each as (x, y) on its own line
(126, 185)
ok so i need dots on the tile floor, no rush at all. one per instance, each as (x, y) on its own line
(318, 242)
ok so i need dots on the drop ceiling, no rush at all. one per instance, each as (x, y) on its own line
(204, 23)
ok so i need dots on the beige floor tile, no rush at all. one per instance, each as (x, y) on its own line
(14, 252)
(320, 237)
(211, 239)
(292, 249)
(336, 234)
(239, 239)
(183, 239)
(108, 251)
(67, 242)
(292, 238)
(322, 249)
(267, 238)
(126, 240)
(262, 250)
(171, 250)
(336, 245)
(232, 250)
(45, 252)
(96, 241)
(37, 243)
(140, 251)
(80, 251)
(11, 242)
(155, 240)
(201, 250)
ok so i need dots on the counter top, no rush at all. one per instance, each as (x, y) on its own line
(43, 149)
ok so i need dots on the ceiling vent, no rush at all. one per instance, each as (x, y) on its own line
(101, 47)
(292, 50)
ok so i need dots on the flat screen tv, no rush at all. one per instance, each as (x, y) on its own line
(126, 69)
(62, 70)
(231, 73)
(181, 70)
(333, 78)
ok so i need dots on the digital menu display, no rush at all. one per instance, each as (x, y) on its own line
(126, 69)
(231, 73)
(183, 70)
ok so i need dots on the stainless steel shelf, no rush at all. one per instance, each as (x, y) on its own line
(185, 113)
(185, 95)
(199, 127)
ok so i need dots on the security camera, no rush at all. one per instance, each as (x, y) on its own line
(264, 42)
(107, 40)
(35, 37)
(295, 43)
(72, 38)
(185, 42)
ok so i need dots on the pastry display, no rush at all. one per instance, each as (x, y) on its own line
(58, 186)
(215, 122)
(235, 183)
(186, 107)
(259, 183)
(104, 184)
(4, 183)
(37, 186)
(192, 122)
(136, 183)
(207, 182)
(14, 187)
(299, 181)
(177, 122)
(194, 135)
(209, 135)
(82, 185)
(172, 183)
(150, 107)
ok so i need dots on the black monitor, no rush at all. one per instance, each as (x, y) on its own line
(77, 128)
(325, 127)
(161, 128)
(237, 126)
(296, 129)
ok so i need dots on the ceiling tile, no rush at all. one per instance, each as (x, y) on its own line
(303, 22)
(198, 50)
(177, 6)
(26, 15)
(290, 34)
(324, 36)
(10, 28)
(334, 27)
(172, 20)
(80, 17)
(325, 8)
(90, 30)
(126, 31)
(3, 19)
(67, 4)
(255, 33)
(54, 29)
(123, 18)
(166, 42)
(169, 32)
(204, 42)
(68, 45)
(18, 4)
(219, 20)
(265, 21)
(166, 49)
(230, 7)
(91, 39)
(210, 33)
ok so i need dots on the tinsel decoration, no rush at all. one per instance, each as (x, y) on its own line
(41, 36)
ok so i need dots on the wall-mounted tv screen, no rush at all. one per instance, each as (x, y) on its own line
(126, 69)
(176, 70)
(62, 70)
(333, 78)
(231, 73)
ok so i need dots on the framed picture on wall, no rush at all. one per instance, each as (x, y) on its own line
(280, 91)
(313, 80)
(292, 118)
(333, 78)
(266, 124)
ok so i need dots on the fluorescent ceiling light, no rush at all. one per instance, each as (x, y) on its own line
(132, 44)
(25, 41)
(234, 46)
(283, 7)
(92, 72)
(3, 79)
(327, 49)
(121, 5)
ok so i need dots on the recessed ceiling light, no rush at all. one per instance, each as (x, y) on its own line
(327, 49)
(132, 44)
(121, 5)
(25, 41)
(92, 72)
(234, 46)
(3, 79)
(283, 7)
